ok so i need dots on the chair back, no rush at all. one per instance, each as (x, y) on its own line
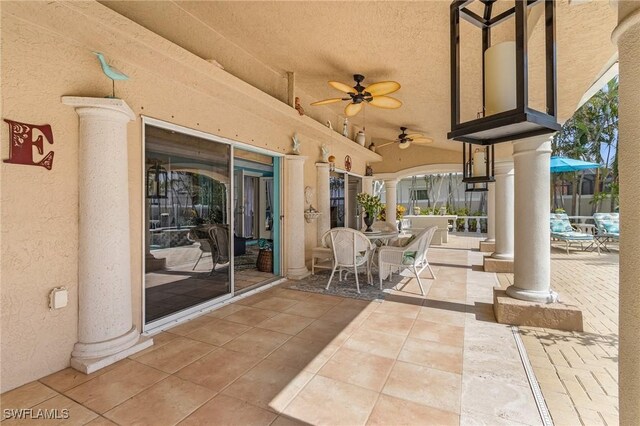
(347, 245)
(201, 235)
(421, 243)
(326, 239)
(219, 236)
(560, 223)
(607, 223)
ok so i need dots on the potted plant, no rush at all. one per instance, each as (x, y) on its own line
(371, 206)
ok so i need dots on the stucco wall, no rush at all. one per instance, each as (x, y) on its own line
(46, 54)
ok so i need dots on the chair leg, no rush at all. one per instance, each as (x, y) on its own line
(431, 270)
(380, 273)
(567, 247)
(313, 264)
(197, 261)
(355, 269)
(331, 277)
(417, 274)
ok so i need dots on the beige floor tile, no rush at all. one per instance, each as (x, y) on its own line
(159, 339)
(187, 327)
(323, 332)
(316, 297)
(322, 402)
(104, 392)
(436, 332)
(269, 385)
(388, 323)
(225, 311)
(257, 342)
(164, 403)
(290, 294)
(286, 323)
(279, 304)
(376, 343)
(344, 316)
(303, 354)
(218, 332)
(176, 354)
(424, 385)
(250, 316)
(432, 354)
(284, 420)
(405, 310)
(358, 368)
(218, 369)
(69, 378)
(310, 309)
(100, 421)
(435, 311)
(474, 418)
(499, 399)
(253, 299)
(226, 410)
(27, 396)
(393, 411)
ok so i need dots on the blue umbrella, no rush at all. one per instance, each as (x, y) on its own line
(563, 164)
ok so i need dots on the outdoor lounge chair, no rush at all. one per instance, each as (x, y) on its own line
(562, 230)
(608, 227)
(413, 256)
(350, 249)
(322, 256)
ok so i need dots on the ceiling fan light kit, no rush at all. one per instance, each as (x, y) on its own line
(359, 95)
(405, 139)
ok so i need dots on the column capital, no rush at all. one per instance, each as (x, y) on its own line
(535, 145)
(503, 168)
(293, 157)
(323, 165)
(112, 107)
(391, 181)
(627, 22)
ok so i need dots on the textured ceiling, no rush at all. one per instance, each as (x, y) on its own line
(403, 41)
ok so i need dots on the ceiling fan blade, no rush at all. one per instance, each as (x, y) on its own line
(353, 109)
(383, 88)
(326, 101)
(384, 144)
(386, 102)
(415, 136)
(404, 145)
(422, 141)
(342, 87)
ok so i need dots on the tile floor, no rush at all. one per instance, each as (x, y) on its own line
(285, 357)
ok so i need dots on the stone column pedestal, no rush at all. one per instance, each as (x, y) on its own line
(532, 265)
(391, 186)
(489, 244)
(501, 260)
(294, 217)
(627, 37)
(324, 200)
(106, 332)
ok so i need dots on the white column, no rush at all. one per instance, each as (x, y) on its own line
(627, 37)
(294, 217)
(491, 213)
(504, 210)
(532, 258)
(324, 197)
(105, 325)
(390, 186)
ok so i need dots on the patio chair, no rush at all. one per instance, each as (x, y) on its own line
(219, 238)
(608, 227)
(412, 256)
(321, 255)
(350, 249)
(200, 235)
(561, 229)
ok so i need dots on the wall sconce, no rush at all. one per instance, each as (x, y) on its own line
(311, 214)
(478, 167)
(157, 182)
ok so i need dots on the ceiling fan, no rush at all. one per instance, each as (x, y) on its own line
(406, 139)
(374, 95)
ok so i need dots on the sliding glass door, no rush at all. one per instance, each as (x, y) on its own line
(188, 246)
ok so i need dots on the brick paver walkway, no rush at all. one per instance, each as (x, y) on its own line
(578, 372)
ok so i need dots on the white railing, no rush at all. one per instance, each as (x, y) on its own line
(466, 219)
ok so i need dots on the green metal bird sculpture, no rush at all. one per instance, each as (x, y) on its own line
(111, 72)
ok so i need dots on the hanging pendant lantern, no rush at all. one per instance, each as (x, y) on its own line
(157, 181)
(505, 110)
(478, 167)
